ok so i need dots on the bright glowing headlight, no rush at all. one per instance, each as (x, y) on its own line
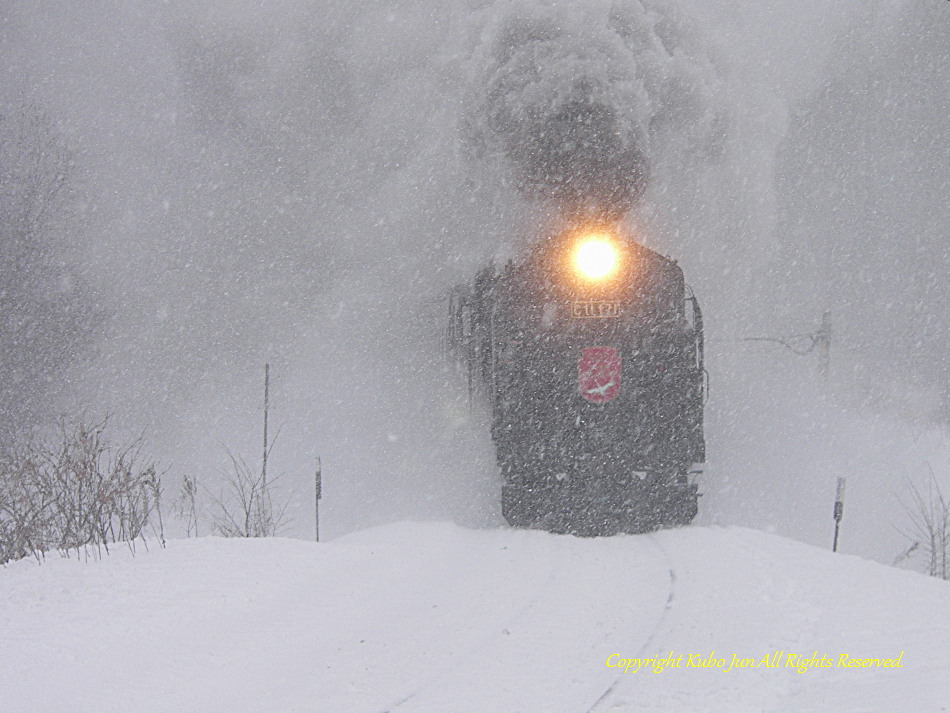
(596, 257)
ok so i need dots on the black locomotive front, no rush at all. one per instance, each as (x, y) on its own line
(591, 355)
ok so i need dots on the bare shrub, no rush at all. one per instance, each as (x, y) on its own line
(245, 507)
(79, 493)
(929, 525)
(186, 504)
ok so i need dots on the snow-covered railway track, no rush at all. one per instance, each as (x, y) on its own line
(484, 643)
(550, 654)
(603, 702)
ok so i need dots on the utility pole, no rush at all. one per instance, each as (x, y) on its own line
(823, 344)
(317, 487)
(839, 511)
(266, 405)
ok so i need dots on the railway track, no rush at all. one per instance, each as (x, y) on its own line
(549, 656)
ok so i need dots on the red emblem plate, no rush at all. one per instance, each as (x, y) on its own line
(598, 374)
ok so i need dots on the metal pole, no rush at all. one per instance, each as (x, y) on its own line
(839, 511)
(316, 501)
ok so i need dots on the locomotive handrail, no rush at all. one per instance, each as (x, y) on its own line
(698, 327)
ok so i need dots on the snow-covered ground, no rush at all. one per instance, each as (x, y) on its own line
(433, 617)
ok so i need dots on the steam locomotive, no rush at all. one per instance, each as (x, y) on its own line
(589, 352)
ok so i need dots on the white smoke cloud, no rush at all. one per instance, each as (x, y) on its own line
(580, 100)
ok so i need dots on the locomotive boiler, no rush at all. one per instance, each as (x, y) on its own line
(589, 352)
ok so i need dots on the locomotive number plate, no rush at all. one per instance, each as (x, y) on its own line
(595, 308)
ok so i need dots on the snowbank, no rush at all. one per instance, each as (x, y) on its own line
(433, 617)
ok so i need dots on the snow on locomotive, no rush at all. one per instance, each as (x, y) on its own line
(590, 353)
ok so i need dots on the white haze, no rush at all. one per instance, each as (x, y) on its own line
(285, 182)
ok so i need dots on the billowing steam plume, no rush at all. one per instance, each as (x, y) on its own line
(574, 100)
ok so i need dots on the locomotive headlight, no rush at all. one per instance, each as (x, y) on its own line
(596, 257)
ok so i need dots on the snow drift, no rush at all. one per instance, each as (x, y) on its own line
(433, 617)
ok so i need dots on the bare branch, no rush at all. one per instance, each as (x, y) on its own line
(928, 516)
(81, 494)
